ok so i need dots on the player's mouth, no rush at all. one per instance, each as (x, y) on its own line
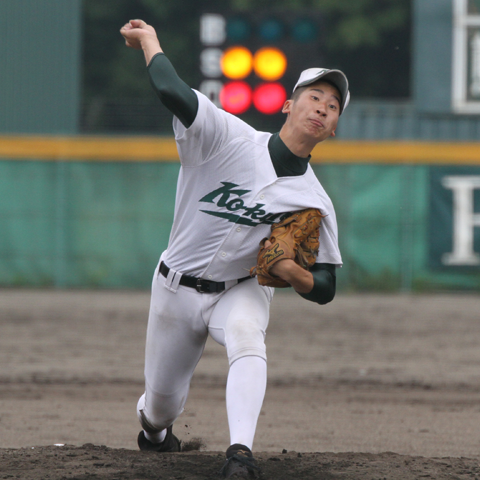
(317, 123)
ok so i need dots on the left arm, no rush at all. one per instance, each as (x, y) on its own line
(317, 285)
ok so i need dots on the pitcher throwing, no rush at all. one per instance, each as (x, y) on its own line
(234, 184)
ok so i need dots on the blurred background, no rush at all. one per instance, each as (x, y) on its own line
(88, 165)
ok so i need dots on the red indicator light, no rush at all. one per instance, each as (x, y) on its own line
(269, 98)
(236, 97)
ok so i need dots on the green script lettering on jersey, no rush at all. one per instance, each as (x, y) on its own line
(224, 193)
(229, 198)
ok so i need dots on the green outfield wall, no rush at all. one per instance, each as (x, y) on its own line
(92, 212)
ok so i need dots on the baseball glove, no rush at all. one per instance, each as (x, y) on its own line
(296, 238)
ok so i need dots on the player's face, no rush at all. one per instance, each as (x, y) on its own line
(316, 110)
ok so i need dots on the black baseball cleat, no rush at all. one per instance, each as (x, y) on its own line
(170, 444)
(240, 463)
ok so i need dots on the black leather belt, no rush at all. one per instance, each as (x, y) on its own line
(199, 284)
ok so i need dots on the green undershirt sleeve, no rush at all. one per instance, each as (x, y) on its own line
(324, 284)
(173, 92)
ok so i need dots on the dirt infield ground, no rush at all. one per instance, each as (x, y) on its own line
(368, 387)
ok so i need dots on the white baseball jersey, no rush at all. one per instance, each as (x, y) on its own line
(228, 195)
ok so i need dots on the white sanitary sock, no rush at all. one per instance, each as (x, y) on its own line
(246, 385)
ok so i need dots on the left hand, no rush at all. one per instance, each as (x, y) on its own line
(300, 279)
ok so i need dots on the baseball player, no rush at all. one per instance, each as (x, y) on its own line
(234, 183)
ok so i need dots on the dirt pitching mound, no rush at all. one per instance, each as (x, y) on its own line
(100, 462)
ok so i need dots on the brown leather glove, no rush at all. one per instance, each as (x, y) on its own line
(296, 238)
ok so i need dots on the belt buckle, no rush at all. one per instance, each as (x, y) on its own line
(199, 287)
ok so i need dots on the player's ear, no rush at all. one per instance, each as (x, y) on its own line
(333, 133)
(286, 106)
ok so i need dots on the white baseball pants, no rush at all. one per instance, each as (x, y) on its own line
(180, 320)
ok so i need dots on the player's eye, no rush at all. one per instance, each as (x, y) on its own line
(333, 107)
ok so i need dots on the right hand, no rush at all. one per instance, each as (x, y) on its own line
(138, 32)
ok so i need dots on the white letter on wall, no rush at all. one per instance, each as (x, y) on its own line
(464, 220)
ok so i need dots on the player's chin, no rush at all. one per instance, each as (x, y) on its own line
(320, 135)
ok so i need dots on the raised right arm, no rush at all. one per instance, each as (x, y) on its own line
(173, 92)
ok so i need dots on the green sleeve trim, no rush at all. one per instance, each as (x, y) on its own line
(173, 92)
(324, 284)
